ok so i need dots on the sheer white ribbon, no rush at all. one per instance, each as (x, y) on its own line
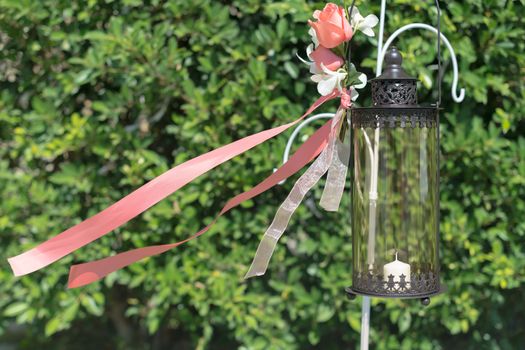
(336, 178)
(328, 159)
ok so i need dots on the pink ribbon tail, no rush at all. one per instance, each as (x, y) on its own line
(141, 199)
(90, 272)
(291, 203)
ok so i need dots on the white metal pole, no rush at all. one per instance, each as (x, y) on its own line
(365, 307)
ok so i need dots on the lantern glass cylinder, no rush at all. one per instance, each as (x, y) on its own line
(395, 210)
(395, 189)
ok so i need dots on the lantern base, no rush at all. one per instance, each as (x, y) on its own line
(425, 298)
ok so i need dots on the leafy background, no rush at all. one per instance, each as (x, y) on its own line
(97, 97)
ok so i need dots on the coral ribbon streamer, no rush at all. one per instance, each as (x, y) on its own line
(291, 203)
(142, 199)
(90, 272)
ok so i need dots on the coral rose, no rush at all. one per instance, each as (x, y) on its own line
(332, 27)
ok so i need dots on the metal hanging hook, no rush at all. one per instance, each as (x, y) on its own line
(454, 89)
(440, 37)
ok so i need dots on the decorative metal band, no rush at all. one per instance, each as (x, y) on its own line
(419, 285)
(394, 117)
(394, 92)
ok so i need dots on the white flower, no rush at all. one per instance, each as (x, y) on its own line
(329, 80)
(311, 63)
(364, 24)
(313, 34)
(353, 89)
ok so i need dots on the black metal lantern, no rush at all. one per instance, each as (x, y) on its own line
(395, 190)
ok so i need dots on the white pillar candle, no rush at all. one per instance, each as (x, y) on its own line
(396, 268)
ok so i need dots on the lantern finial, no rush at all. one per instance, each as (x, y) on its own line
(393, 68)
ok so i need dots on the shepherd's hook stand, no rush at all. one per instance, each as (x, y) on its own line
(381, 50)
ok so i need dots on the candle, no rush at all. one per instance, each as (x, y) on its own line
(396, 268)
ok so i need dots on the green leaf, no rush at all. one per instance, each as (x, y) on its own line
(404, 322)
(52, 326)
(91, 305)
(324, 313)
(291, 69)
(15, 309)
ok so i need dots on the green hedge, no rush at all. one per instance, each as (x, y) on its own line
(98, 97)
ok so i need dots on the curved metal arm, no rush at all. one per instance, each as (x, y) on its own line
(296, 131)
(298, 128)
(391, 38)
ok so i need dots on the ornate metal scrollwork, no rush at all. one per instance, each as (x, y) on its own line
(394, 117)
(396, 92)
(419, 285)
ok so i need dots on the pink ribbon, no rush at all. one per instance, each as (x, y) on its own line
(346, 100)
(134, 204)
(90, 272)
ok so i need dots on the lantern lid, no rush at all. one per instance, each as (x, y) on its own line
(394, 88)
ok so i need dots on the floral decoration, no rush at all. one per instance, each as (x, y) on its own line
(331, 31)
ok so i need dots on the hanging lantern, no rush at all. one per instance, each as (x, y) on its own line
(395, 190)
